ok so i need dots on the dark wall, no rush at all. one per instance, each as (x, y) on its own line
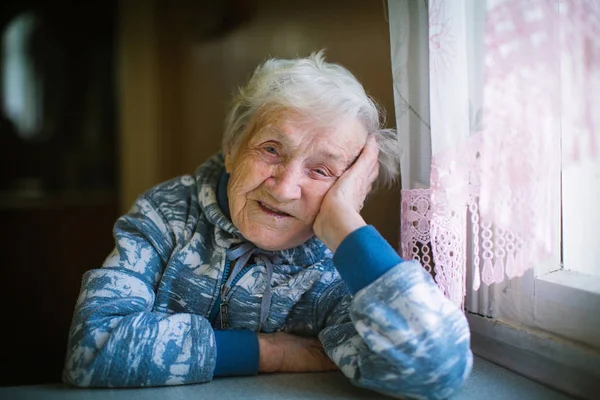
(58, 198)
(46, 250)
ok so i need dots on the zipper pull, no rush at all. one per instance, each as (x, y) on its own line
(224, 311)
(224, 293)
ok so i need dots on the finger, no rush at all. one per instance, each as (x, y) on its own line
(372, 174)
(372, 144)
(372, 155)
(375, 157)
(367, 159)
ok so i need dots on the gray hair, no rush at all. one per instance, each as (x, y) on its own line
(315, 89)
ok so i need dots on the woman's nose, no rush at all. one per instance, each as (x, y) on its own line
(284, 185)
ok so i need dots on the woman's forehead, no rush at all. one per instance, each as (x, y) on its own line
(345, 131)
(291, 130)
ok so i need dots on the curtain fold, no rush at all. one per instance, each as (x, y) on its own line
(409, 39)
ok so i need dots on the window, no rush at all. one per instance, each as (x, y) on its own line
(544, 324)
(567, 301)
(581, 218)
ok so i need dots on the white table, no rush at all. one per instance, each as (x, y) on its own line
(487, 382)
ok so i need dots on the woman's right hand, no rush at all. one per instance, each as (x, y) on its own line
(283, 352)
(340, 209)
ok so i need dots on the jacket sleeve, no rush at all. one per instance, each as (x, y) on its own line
(389, 328)
(116, 340)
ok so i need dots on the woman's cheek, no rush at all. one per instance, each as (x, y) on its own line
(261, 168)
(252, 172)
(316, 193)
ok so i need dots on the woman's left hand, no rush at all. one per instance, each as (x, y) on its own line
(284, 352)
(340, 210)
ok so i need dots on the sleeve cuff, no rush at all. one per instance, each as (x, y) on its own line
(237, 353)
(364, 256)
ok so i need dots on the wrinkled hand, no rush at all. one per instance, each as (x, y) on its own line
(283, 352)
(340, 210)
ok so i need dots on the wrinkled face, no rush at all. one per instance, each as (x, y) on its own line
(280, 173)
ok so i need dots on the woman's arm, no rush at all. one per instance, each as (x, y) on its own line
(116, 340)
(395, 332)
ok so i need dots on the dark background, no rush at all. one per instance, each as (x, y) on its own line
(58, 187)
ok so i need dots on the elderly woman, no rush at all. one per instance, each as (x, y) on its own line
(261, 261)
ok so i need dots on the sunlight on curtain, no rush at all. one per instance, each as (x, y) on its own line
(509, 79)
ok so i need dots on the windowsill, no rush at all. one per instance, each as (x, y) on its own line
(566, 303)
(553, 361)
(487, 381)
(574, 280)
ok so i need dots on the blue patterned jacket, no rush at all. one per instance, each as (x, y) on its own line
(148, 317)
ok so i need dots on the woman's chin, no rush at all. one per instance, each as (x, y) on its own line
(273, 244)
(276, 241)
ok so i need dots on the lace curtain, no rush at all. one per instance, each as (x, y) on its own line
(512, 86)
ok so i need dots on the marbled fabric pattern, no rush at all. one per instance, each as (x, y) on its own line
(143, 318)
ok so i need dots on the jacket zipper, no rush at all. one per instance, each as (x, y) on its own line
(215, 309)
(222, 305)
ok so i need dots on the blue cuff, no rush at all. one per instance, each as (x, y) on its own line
(363, 256)
(237, 353)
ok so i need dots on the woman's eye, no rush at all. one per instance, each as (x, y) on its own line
(271, 150)
(321, 171)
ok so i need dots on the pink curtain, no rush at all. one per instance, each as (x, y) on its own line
(514, 94)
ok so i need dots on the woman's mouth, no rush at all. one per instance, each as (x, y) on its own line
(271, 210)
